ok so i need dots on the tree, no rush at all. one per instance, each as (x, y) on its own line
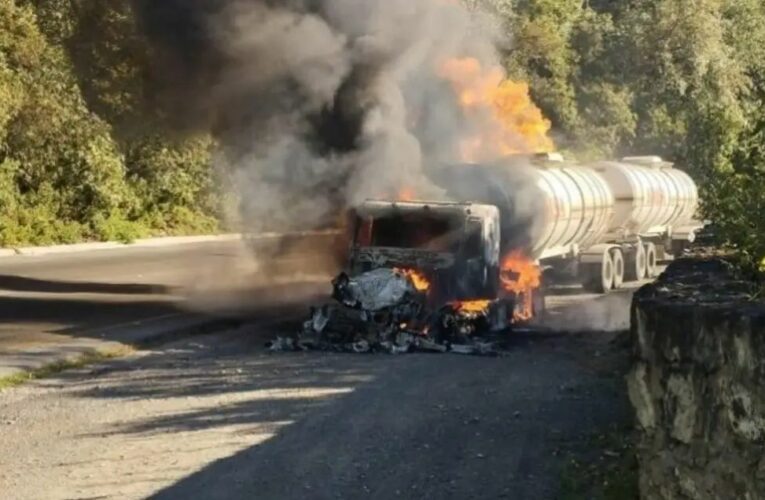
(82, 155)
(60, 166)
(679, 78)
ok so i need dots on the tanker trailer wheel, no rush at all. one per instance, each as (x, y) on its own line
(635, 266)
(617, 256)
(599, 277)
(650, 260)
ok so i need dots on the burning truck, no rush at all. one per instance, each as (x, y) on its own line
(427, 276)
(445, 275)
(600, 223)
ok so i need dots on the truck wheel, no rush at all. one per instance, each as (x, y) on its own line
(650, 260)
(599, 277)
(617, 256)
(635, 264)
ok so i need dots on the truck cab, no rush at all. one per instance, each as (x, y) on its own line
(455, 246)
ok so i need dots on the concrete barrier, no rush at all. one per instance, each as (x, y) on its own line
(697, 384)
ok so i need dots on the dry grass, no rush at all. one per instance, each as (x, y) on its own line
(57, 367)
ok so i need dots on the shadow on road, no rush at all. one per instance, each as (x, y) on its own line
(351, 426)
(24, 284)
(75, 315)
(108, 309)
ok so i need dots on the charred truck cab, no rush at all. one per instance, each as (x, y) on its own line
(454, 247)
(420, 276)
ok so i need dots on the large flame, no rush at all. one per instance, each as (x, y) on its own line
(406, 194)
(419, 280)
(510, 122)
(521, 276)
(472, 306)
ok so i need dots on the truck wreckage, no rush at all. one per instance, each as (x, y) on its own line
(421, 277)
(443, 276)
(383, 311)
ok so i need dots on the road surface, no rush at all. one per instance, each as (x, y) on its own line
(67, 302)
(50, 301)
(218, 416)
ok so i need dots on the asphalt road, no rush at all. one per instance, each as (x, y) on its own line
(49, 303)
(65, 299)
(218, 416)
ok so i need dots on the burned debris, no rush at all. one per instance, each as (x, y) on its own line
(386, 310)
(423, 276)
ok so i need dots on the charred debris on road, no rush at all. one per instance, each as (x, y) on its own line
(386, 310)
(423, 276)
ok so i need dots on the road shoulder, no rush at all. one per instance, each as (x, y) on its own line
(38, 361)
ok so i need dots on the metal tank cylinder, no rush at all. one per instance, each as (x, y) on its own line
(649, 194)
(546, 205)
(579, 208)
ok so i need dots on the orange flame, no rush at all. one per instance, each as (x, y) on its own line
(521, 276)
(406, 194)
(515, 124)
(472, 306)
(420, 282)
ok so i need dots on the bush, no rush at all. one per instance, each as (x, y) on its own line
(737, 204)
(71, 166)
(175, 184)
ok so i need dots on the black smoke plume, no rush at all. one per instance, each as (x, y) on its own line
(317, 104)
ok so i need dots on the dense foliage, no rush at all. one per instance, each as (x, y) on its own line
(684, 79)
(85, 155)
(81, 154)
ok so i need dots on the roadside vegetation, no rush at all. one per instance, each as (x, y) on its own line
(678, 78)
(85, 152)
(83, 156)
(86, 359)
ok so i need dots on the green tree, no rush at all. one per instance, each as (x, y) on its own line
(678, 78)
(175, 184)
(60, 166)
(83, 155)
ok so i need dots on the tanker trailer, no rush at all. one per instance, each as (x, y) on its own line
(580, 220)
(654, 212)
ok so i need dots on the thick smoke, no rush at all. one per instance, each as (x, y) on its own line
(318, 104)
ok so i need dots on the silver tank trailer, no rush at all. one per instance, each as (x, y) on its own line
(578, 208)
(604, 221)
(611, 221)
(612, 202)
(547, 207)
(652, 198)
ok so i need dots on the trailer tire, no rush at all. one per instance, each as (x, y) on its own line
(636, 264)
(650, 260)
(617, 257)
(598, 277)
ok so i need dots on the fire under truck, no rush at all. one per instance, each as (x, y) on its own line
(513, 225)
(447, 275)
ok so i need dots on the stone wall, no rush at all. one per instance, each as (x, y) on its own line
(698, 384)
